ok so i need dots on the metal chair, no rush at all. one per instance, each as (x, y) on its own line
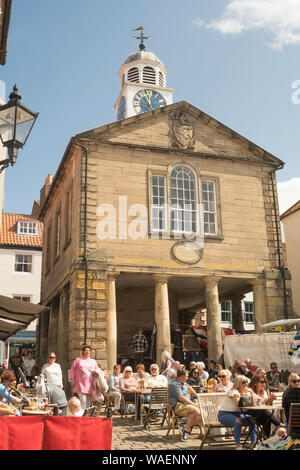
(158, 403)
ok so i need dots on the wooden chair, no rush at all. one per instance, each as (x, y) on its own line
(158, 402)
(294, 421)
(126, 400)
(209, 405)
(91, 412)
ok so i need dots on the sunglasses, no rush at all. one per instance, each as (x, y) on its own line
(296, 381)
(222, 376)
(51, 357)
(244, 382)
(262, 382)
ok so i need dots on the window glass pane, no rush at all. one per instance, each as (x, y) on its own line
(183, 196)
(159, 215)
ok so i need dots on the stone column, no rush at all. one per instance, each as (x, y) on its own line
(237, 314)
(259, 296)
(43, 338)
(63, 333)
(162, 316)
(213, 316)
(111, 339)
(53, 327)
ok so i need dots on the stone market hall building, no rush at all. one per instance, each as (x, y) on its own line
(118, 217)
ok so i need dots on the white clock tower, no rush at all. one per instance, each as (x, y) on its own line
(143, 83)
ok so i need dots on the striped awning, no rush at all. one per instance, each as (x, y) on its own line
(16, 315)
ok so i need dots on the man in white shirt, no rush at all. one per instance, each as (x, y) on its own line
(155, 379)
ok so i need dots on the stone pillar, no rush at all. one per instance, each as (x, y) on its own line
(162, 316)
(111, 339)
(213, 316)
(259, 297)
(53, 327)
(63, 333)
(237, 313)
(43, 338)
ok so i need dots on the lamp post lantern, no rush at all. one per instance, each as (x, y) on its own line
(16, 122)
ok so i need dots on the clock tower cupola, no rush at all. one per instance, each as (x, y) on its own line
(143, 82)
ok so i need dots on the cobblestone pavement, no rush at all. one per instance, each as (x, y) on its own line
(130, 435)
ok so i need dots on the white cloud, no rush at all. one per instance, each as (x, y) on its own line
(288, 193)
(281, 18)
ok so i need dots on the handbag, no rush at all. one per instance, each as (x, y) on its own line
(245, 401)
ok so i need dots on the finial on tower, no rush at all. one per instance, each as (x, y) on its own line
(141, 37)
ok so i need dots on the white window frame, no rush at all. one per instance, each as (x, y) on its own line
(23, 263)
(210, 212)
(184, 211)
(28, 227)
(245, 313)
(162, 208)
(226, 311)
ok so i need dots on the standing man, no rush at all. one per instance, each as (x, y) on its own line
(140, 345)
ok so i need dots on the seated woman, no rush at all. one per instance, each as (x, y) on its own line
(224, 384)
(264, 417)
(128, 384)
(291, 394)
(202, 372)
(230, 413)
(7, 378)
(194, 379)
(114, 387)
(140, 375)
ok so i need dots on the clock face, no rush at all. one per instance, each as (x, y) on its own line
(147, 99)
(121, 109)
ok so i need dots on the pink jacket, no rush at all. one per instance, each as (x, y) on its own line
(81, 373)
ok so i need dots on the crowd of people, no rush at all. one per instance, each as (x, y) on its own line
(89, 383)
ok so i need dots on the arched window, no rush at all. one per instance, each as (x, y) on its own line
(183, 200)
(161, 79)
(133, 75)
(149, 75)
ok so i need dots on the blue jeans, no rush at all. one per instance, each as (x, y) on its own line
(229, 419)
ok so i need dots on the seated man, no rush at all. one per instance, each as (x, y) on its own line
(155, 379)
(74, 407)
(179, 398)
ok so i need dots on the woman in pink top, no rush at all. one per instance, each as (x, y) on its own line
(81, 375)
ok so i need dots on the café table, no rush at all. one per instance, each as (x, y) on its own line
(260, 435)
(36, 412)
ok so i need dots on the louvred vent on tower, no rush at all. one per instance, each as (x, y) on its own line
(133, 75)
(149, 75)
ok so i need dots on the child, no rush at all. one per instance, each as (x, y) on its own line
(74, 407)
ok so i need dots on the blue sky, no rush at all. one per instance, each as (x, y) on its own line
(234, 59)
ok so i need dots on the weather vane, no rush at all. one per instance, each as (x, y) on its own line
(141, 37)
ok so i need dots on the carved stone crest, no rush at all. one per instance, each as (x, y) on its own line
(182, 133)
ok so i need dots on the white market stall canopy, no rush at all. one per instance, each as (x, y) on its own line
(16, 315)
(274, 324)
(262, 349)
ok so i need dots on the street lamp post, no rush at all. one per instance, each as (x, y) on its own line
(16, 122)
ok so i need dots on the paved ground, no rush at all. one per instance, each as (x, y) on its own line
(130, 435)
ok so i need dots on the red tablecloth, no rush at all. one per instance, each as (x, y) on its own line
(54, 433)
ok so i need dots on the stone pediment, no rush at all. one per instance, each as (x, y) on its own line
(182, 127)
